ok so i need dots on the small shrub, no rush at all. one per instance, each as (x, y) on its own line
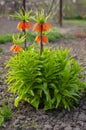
(5, 114)
(78, 16)
(53, 36)
(5, 38)
(48, 81)
(1, 50)
(84, 17)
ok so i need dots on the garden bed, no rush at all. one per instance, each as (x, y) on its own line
(25, 117)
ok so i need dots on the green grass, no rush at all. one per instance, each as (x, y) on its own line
(52, 36)
(30, 37)
(1, 50)
(74, 21)
(5, 114)
(5, 38)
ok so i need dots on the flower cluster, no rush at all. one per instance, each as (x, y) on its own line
(23, 25)
(16, 48)
(17, 40)
(41, 26)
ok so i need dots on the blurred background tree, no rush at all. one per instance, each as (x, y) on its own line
(71, 8)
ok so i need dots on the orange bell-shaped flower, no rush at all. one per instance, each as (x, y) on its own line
(45, 27)
(16, 48)
(44, 39)
(23, 25)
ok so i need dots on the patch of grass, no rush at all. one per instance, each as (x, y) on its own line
(5, 38)
(30, 37)
(5, 114)
(69, 36)
(52, 36)
(32, 125)
(1, 50)
(74, 21)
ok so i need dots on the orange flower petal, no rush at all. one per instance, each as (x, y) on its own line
(16, 48)
(44, 39)
(45, 27)
(37, 27)
(23, 25)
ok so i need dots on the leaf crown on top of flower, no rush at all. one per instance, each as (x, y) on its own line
(18, 38)
(40, 17)
(22, 15)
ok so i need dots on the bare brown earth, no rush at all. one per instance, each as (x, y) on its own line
(27, 118)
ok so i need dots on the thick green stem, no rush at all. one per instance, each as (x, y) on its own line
(41, 44)
(24, 31)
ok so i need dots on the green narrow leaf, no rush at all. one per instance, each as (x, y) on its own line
(17, 100)
(35, 102)
(1, 120)
(46, 91)
(59, 98)
(65, 103)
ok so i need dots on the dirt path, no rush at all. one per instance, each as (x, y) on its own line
(7, 25)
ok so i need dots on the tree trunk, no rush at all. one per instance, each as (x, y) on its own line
(24, 9)
(60, 12)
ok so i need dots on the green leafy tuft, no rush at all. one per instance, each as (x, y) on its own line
(48, 81)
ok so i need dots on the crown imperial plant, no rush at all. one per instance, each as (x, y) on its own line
(48, 81)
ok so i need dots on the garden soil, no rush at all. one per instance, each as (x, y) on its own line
(26, 117)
